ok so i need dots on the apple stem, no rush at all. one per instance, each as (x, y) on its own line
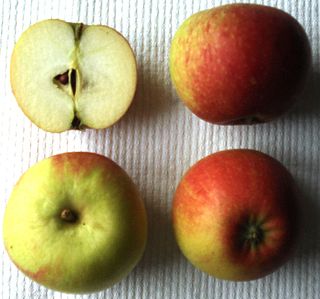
(68, 215)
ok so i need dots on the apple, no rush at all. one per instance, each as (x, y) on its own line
(71, 76)
(239, 63)
(75, 223)
(235, 215)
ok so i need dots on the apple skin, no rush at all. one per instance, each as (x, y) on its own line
(235, 215)
(91, 252)
(239, 63)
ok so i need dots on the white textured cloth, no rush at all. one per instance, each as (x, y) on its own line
(156, 142)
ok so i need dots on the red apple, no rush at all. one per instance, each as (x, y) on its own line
(235, 215)
(239, 63)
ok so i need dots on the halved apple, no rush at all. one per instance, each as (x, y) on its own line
(70, 76)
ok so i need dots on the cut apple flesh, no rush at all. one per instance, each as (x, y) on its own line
(68, 75)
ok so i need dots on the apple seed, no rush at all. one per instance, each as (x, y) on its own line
(73, 79)
(63, 78)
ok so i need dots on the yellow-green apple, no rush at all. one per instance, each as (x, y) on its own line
(239, 63)
(70, 76)
(235, 214)
(75, 223)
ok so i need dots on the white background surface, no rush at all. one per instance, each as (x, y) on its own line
(157, 141)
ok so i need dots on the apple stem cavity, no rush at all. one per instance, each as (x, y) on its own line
(68, 215)
(78, 29)
(248, 120)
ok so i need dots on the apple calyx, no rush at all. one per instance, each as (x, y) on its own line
(68, 215)
(254, 236)
(252, 233)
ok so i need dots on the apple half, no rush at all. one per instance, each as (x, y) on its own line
(70, 76)
(75, 223)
